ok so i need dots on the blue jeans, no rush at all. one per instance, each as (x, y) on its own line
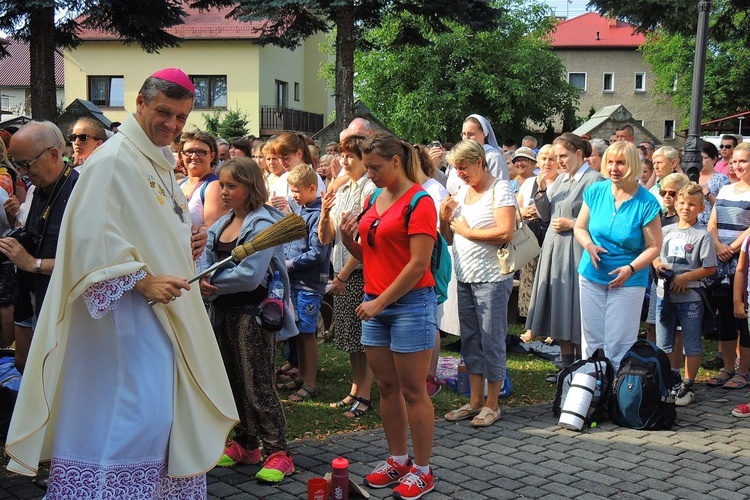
(688, 315)
(483, 312)
(407, 325)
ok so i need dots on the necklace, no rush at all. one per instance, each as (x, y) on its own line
(176, 207)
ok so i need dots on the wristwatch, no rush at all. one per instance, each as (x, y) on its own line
(38, 266)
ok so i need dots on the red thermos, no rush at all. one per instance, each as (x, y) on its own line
(340, 479)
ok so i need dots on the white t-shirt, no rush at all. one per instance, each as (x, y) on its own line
(525, 191)
(437, 192)
(476, 262)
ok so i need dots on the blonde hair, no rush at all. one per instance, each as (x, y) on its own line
(627, 151)
(546, 150)
(743, 146)
(691, 189)
(676, 180)
(467, 151)
(302, 176)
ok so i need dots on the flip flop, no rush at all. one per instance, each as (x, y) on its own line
(466, 411)
(486, 417)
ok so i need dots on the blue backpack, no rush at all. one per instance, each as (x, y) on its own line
(644, 391)
(441, 265)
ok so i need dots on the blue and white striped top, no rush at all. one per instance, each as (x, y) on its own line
(732, 213)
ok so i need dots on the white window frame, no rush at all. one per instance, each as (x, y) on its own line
(611, 88)
(642, 88)
(666, 135)
(585, 79)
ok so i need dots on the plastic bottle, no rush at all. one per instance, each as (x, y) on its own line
(276, 289)
(340, 479)
(462, 380)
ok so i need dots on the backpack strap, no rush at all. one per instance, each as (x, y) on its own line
(370, 203)
(413, 204)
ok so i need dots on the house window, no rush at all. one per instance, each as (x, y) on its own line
(669, 129)
(609, 82)
(107, 91)
(296, 91)
(578, 80)
(282, 93)
(210, 91)
(640, 82)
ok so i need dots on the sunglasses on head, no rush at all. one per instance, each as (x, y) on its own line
(665, 192)
(81, 137)
(726, 146)
(371, 233)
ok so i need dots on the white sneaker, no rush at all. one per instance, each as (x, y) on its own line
(685, 396)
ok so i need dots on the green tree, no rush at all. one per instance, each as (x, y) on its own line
(228, 124)
(510, 75)
(135, 21)
(287, 22)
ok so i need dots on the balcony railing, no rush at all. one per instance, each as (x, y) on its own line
(277, 119)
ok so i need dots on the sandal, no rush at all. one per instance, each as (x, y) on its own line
(527, 337)
(344, 403)
(282, 370)
(291, 385)
(486, 417)
(355, 411)
(722, 378)
(739, 381)
(466, 411)
(305, 393)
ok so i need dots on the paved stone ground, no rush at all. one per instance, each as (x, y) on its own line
(527, 455)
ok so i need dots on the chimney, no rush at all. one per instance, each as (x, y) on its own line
(612, 22)
(597, 36)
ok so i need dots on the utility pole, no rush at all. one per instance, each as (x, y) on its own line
(692, 160)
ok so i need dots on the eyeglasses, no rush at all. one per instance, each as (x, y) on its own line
(200, 153)
(26, 165)
(666, 192)
(371, 233)
(81, 137)
(726, 146)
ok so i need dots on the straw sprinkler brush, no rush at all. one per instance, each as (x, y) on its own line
(290, 228)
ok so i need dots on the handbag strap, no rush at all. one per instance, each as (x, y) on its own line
(519, 219)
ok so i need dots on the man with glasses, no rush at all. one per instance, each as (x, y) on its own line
(36, 150)
(726, 150)
(120, 396)
(87, 135)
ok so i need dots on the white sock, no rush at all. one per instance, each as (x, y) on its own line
(400, 459)
(423, 469)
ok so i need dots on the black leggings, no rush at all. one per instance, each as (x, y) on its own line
(722, 300)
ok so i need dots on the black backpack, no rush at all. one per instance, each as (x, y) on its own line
(645, 389)
(599, 367)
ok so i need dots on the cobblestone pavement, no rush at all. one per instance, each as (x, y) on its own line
(527, 455)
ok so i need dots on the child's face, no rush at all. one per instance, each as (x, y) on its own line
(668, 195)
(233, 193)
(303, 195)
(646, 175)
(688, 208)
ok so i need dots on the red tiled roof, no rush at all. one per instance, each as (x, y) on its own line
(593, 31)
(209, 25)
(15, 69)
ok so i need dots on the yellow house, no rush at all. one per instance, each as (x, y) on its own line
(278, 89)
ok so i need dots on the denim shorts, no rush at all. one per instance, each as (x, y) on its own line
(407, 325)
(307, 307)
(689, 315)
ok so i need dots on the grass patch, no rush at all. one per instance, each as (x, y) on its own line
(314, 419)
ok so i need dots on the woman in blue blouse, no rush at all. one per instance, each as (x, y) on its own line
(620, 229)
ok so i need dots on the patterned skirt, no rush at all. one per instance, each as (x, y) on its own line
(348, 327)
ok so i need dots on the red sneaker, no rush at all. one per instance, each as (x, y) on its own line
(433, 386)
(387, 473)
(414, 485)
(235, 454)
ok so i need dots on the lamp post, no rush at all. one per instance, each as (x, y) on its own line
(739, 119)
(691, 159)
